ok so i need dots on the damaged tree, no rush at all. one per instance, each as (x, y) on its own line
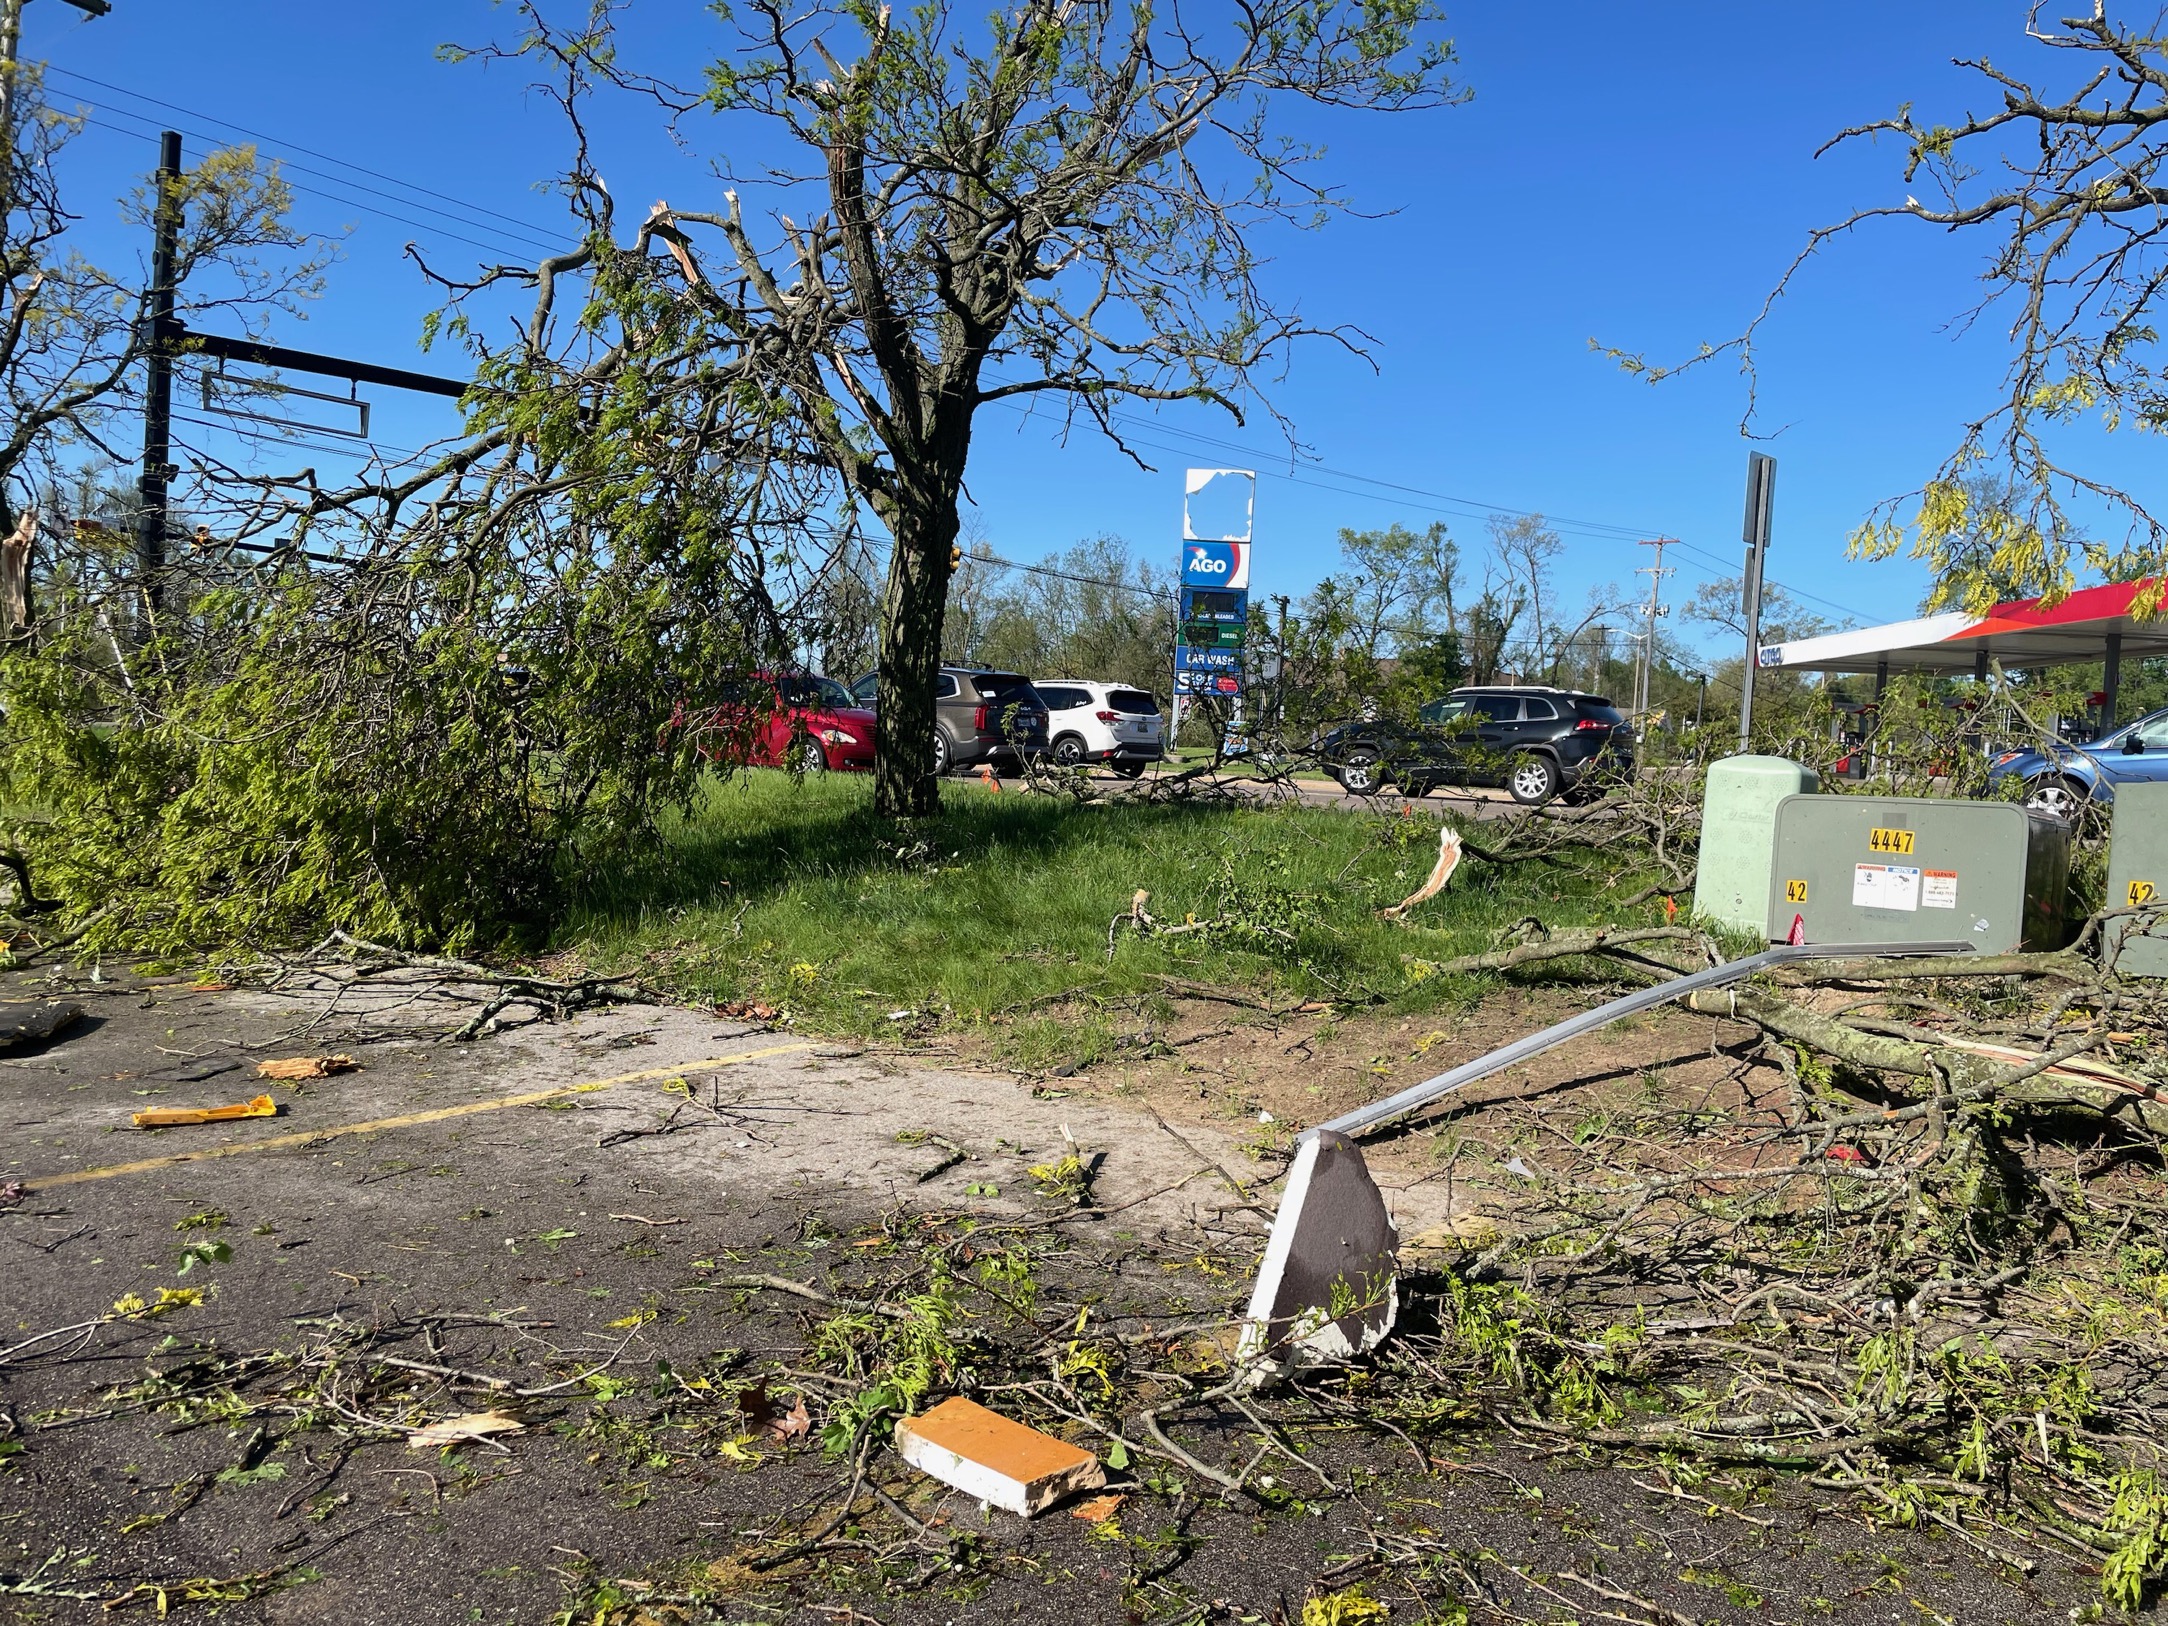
(1060, 202)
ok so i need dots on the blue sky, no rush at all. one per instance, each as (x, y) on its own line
(1631, 173)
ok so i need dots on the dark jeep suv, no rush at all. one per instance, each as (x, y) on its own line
(1536, 742)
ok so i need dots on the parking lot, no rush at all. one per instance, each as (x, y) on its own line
(233, 1339)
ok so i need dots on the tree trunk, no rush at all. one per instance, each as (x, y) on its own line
(912, 609)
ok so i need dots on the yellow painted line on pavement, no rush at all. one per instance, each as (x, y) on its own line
(406, 1120)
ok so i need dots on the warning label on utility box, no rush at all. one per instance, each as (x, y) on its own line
(1886, 886)
(1938, 889)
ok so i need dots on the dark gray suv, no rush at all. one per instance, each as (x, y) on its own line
(1536, 742)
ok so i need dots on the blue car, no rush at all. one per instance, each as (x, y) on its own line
(2063, 778)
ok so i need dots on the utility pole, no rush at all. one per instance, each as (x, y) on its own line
(1279, 668)
(1761, 496)
(11, 48)
(11, 42)
(1646, 666)
(157, 336)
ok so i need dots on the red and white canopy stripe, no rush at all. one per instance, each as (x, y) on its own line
(2018, 634)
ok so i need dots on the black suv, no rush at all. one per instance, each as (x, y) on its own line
(1537, 742)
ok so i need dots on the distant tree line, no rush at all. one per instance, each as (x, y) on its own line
(1404, 617)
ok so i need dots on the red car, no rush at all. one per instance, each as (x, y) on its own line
(764, 723)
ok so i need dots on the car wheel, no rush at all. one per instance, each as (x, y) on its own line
(2057, 797)
(943, 757)
(1129, 770)
(814, 759)
(1361, 774)
(1068, 751)
(1533, 779)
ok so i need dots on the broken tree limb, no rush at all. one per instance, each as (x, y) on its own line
(2065, 965)
(1977, 1071)
(1561, 945)
(1145, 924)
(511, 987)
(27, 901)
(1449, 850)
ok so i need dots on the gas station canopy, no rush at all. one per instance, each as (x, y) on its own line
(2093, 624)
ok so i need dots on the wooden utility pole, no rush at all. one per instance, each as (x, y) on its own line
(157, 340)
(11, 40)
(1645, 668)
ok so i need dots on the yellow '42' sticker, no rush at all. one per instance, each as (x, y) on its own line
(1795, 892)
(2140, 892)
(1889, 841)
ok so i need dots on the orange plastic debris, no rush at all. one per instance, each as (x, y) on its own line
(304, 1067)
(168, 1117)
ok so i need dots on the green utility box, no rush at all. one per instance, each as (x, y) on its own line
(2138, 875)
(1739, 836)
(1904, 869)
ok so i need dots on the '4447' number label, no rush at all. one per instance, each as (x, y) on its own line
(1889, 841)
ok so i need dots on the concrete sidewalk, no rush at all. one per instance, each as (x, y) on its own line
(672, 1091)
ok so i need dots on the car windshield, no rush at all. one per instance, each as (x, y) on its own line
(1133, 701)
(1444, 711)
(1006, 689)
(814, 693)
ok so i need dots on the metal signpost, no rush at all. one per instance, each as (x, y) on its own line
(1761, 491)
(1213, 625)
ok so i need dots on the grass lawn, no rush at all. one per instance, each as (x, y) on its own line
(993, 917)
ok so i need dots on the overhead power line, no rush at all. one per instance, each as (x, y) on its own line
(525, 238)
(504, 245)
(527, 227)
(1458, 506)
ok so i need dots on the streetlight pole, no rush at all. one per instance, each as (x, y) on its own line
(1761, 492)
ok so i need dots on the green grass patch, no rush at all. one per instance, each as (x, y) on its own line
(794, 894)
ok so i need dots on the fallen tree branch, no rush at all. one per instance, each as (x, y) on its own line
(2067, 966)
(1561, 945)
(555, 998)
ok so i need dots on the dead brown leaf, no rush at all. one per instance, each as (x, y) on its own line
(1098, 1510)
(765, 1415)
